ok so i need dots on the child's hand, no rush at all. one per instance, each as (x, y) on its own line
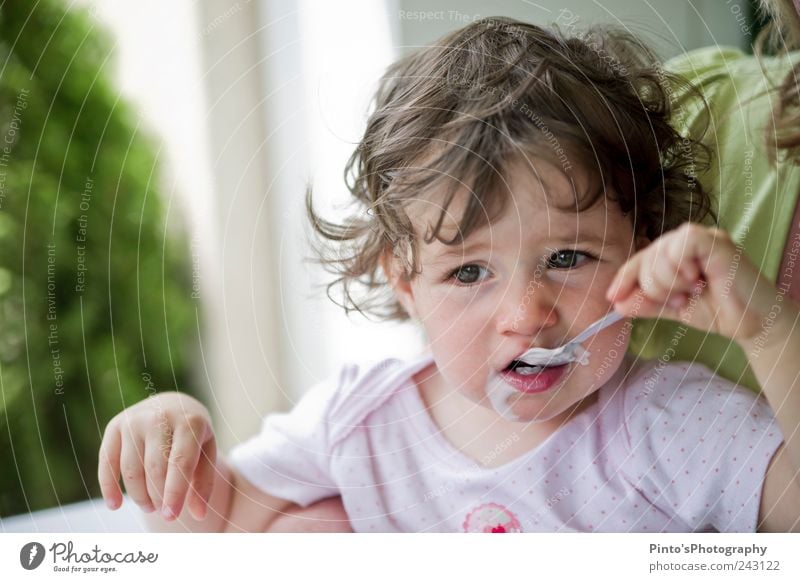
(164, 447)
(695, 274)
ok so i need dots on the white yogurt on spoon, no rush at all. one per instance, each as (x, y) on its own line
(500, 392)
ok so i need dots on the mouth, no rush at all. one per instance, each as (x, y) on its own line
(523, 368)
(538, 359)
(532, 379)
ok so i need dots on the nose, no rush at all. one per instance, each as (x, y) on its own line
(527, 308)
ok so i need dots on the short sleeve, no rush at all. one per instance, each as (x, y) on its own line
(699, 446)
(290, 457)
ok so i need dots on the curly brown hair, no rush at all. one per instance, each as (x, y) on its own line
(782, 35)
(456, 114)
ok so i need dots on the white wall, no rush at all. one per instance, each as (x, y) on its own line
(192, 70)
(672, 26)
(321, 63)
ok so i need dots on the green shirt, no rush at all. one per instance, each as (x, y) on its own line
(754, 198)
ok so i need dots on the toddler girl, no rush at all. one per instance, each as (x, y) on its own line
(513, 186)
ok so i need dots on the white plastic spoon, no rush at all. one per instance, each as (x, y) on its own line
(570, 351)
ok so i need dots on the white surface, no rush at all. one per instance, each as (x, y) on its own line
(85, 517)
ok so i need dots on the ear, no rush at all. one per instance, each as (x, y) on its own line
(399, 281)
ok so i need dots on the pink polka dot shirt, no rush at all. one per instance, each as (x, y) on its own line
(666, 447)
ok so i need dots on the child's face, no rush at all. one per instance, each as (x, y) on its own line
(536, 277)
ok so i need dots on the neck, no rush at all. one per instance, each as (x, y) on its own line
(477, 430)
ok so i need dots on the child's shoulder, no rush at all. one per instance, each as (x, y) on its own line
(660, 399)
(698, 445)
(361, 388)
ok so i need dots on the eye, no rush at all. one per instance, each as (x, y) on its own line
(469, 274)
(567, 259)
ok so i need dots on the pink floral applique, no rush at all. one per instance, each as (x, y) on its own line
(491, 518)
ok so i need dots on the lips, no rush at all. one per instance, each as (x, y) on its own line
(524, 368)
(532, 380)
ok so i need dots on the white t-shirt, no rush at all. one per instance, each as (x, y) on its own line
(666, 447)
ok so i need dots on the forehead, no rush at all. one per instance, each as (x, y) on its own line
(540, 213)
(525, 190)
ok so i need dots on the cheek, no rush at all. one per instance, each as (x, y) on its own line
(615, 336)
(607, 350)
(453, 312)
(459, 348)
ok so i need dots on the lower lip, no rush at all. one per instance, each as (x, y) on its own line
(535, 383)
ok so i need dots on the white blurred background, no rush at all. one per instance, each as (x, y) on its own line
(253, 99)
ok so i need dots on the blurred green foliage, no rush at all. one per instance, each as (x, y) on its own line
(95, 291)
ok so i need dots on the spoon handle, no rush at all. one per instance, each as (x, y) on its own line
(597, 326)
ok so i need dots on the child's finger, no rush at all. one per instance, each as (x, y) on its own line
(690, 271)
(133, 475)
(156, 456)
(203, 482)
(625, 281)
(108, 468)
(639, 305)
(660, 278)
(183, 460)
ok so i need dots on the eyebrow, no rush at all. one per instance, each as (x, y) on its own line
(464, 249)
(581, 238)
(461, 250)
